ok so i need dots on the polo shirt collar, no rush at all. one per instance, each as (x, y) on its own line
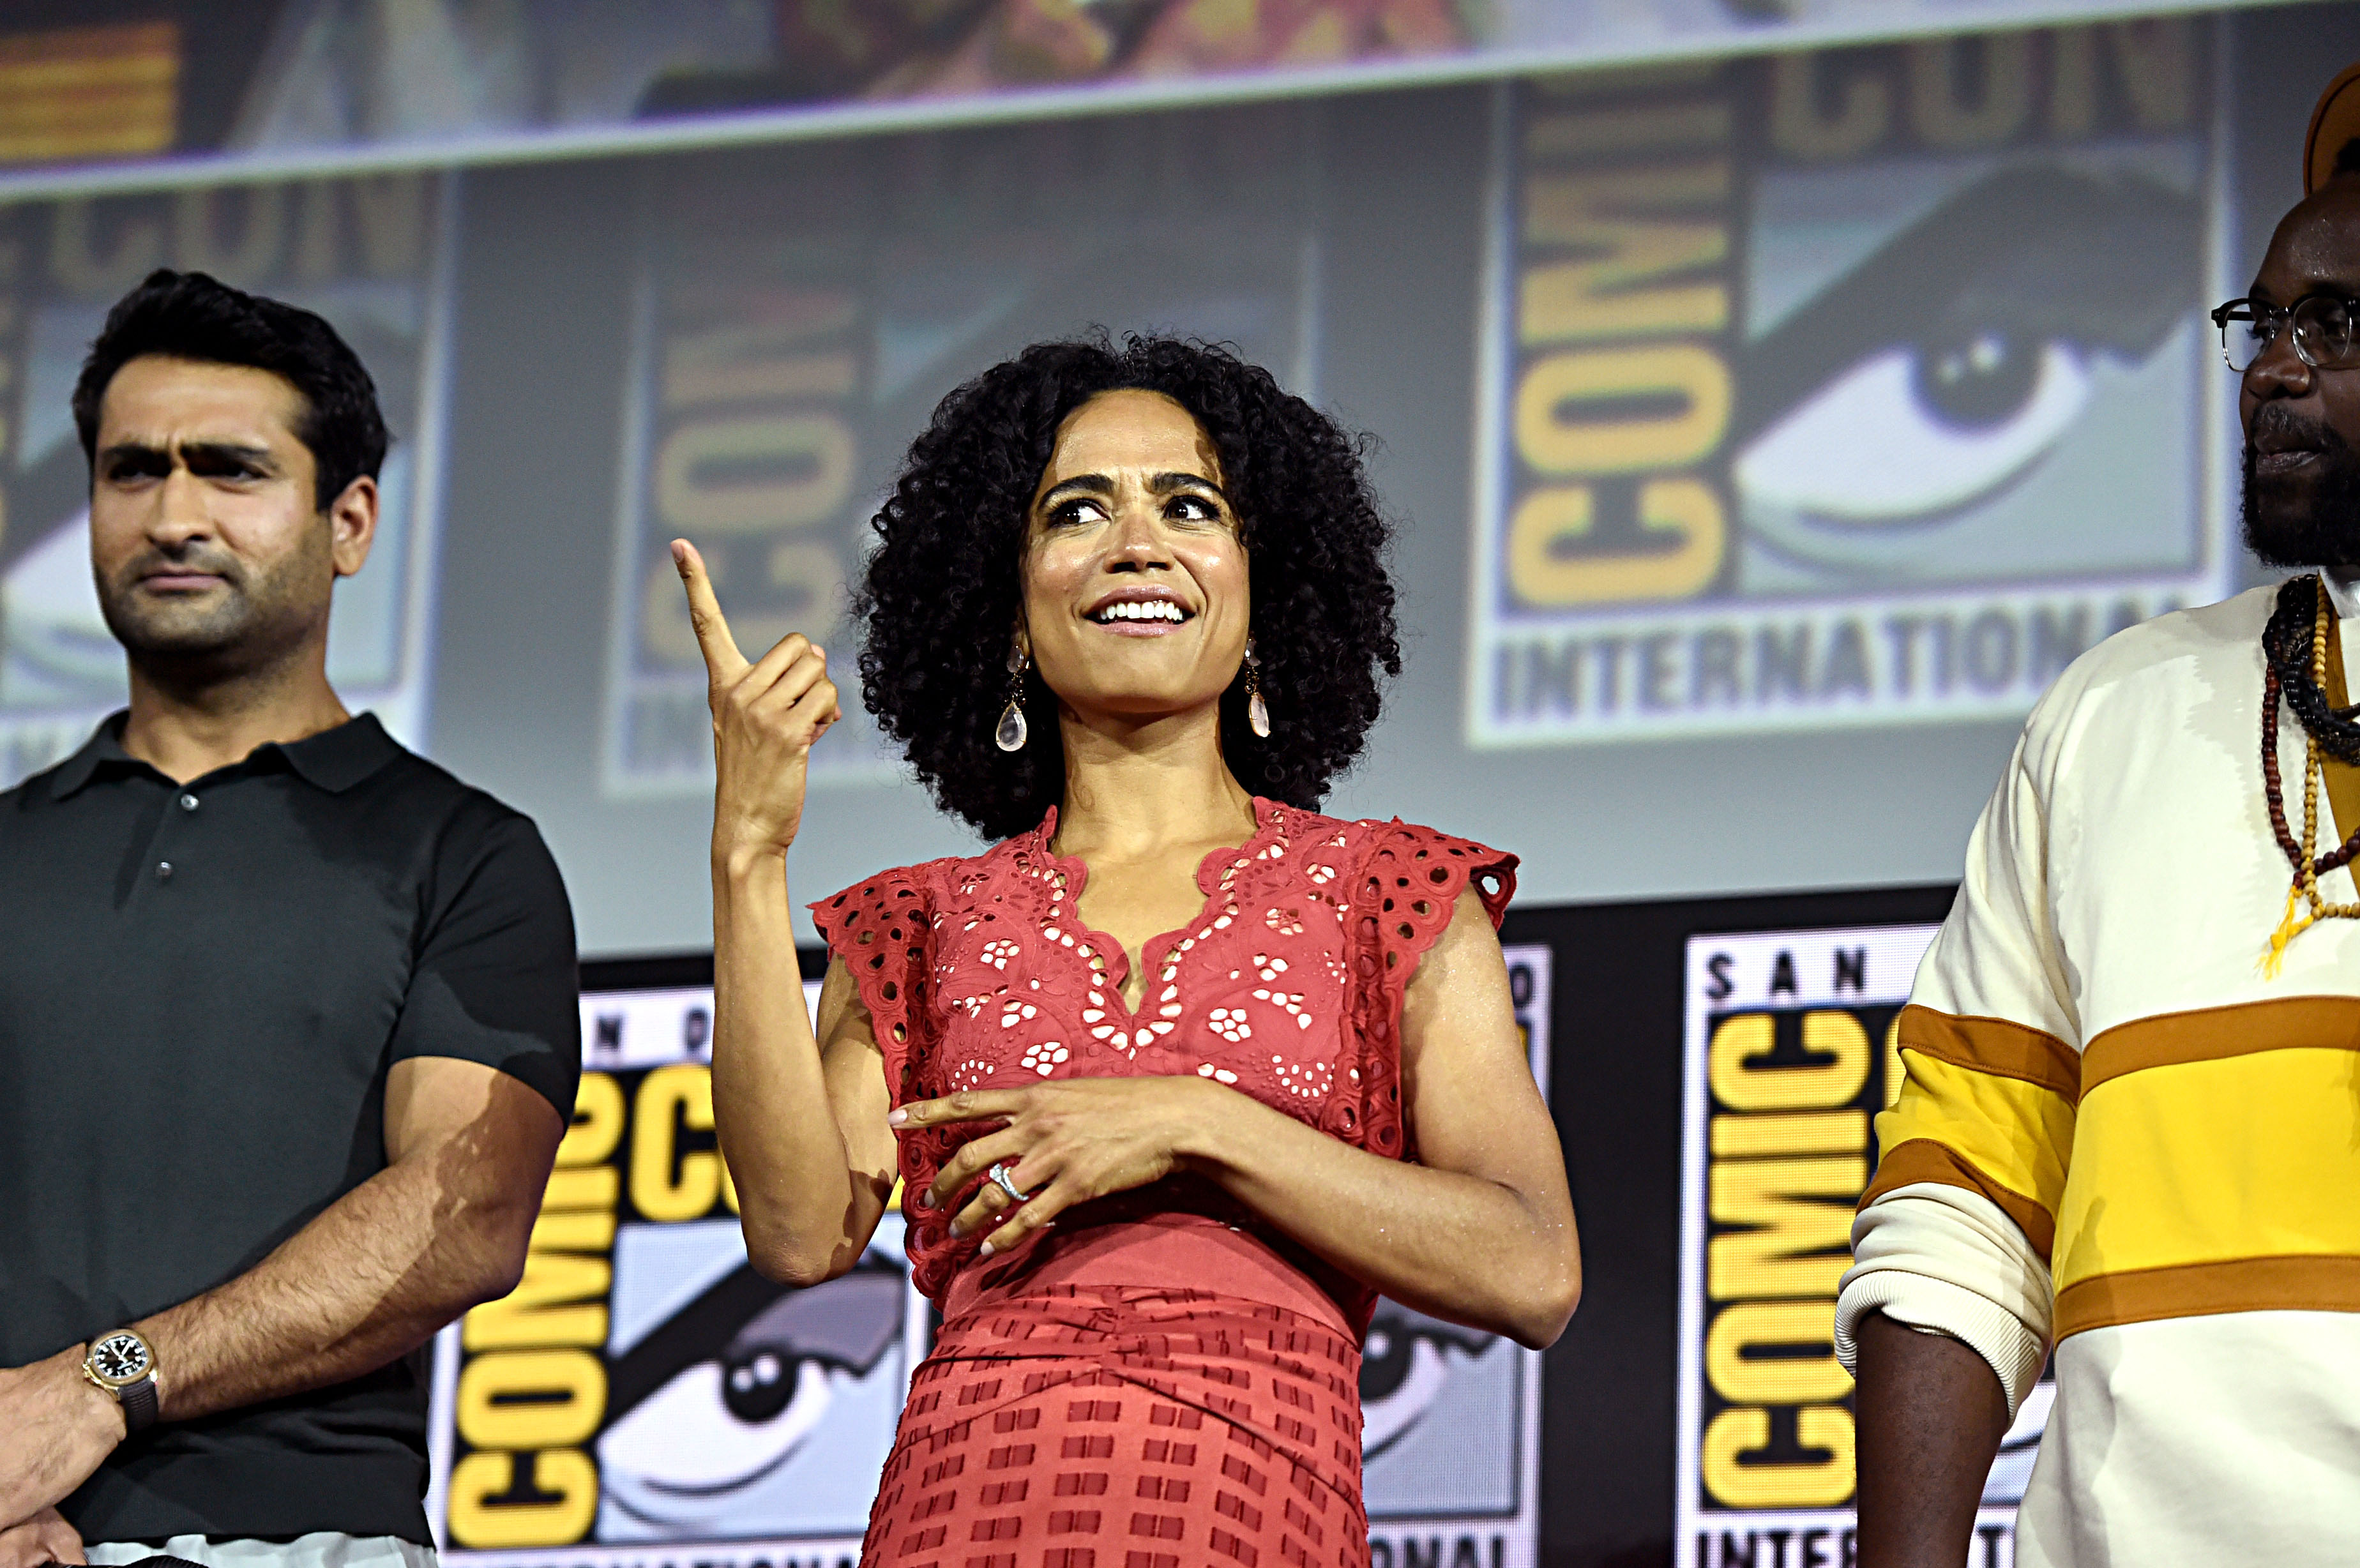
(337, 760)
(334, 760)
(104, 745)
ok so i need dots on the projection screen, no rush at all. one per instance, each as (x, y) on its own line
(1772, 398)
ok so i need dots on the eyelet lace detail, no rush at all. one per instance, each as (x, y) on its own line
(979, 973)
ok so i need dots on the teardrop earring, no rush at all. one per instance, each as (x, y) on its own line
(1012, 733)
(1257, 711)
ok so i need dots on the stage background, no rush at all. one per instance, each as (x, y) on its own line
(1772, 394)
(1615, 997)
(1609, 1405)
(1734, 541)
(644, 1396)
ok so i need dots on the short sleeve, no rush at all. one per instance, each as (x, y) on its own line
(493, 976)
(1409, 886)
(1406, 887)
(882, 931)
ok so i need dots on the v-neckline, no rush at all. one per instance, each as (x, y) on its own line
(1268, 823)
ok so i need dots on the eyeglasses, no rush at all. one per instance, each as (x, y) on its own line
(2323, 338)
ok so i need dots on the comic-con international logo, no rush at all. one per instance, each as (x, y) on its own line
(1847, 387)
(643, 1389)
(1790, 1053)
(772, 386)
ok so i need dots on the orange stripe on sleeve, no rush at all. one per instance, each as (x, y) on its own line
(1996, 1046)
(1923, 1159)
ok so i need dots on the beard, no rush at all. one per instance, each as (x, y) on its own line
(251, 620)
(2310, 519)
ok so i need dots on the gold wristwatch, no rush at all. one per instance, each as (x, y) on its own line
(123, 1365)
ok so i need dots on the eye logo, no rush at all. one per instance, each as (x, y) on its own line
(757, 1385)
(1406, 1371)
(704, 1441)
(1937, 371)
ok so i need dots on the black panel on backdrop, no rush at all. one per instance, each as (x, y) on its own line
(1616, 980)
(644, 1395)
(1609, 1408)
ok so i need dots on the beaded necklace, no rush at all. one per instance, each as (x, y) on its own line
(2325, 730)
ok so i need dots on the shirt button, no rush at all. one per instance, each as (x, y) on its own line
(163, 871)
(188, 802)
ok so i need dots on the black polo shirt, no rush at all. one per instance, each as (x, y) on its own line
(202, 990)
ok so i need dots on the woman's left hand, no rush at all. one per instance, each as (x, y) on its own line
(1063, 1141)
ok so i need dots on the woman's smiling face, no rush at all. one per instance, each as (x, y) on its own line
(1136, 598)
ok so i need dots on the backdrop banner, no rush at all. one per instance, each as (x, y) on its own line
(370, 253)
(1792, 367)
(1789, 1052)
(644, 1399)
(191, 88)
(800, 311)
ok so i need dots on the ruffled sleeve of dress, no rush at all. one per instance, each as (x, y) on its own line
(1406, 887)
(883, 930)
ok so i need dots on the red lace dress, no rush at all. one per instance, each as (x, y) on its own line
(1162, 1379)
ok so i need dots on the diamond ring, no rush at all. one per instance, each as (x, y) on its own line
(999, 1173)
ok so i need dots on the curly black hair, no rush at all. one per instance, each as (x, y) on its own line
(943, 590)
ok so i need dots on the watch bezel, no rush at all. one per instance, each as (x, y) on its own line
(113, 1384)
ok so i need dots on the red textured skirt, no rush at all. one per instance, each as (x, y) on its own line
(1085, 1426)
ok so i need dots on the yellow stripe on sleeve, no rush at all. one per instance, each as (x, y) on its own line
(2004, 1136)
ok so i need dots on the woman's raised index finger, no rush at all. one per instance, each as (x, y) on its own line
(722, 659)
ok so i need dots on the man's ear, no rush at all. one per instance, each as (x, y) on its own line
(351, 525)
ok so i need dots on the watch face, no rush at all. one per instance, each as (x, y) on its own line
(121, 1358)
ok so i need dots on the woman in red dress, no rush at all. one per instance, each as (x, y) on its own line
(1180, 1075)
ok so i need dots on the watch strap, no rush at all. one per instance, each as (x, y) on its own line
(138, 1400)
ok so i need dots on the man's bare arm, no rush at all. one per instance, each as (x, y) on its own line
(1931, 1414)
(444, 1227)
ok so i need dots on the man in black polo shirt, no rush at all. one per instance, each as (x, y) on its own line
(288, 1020)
